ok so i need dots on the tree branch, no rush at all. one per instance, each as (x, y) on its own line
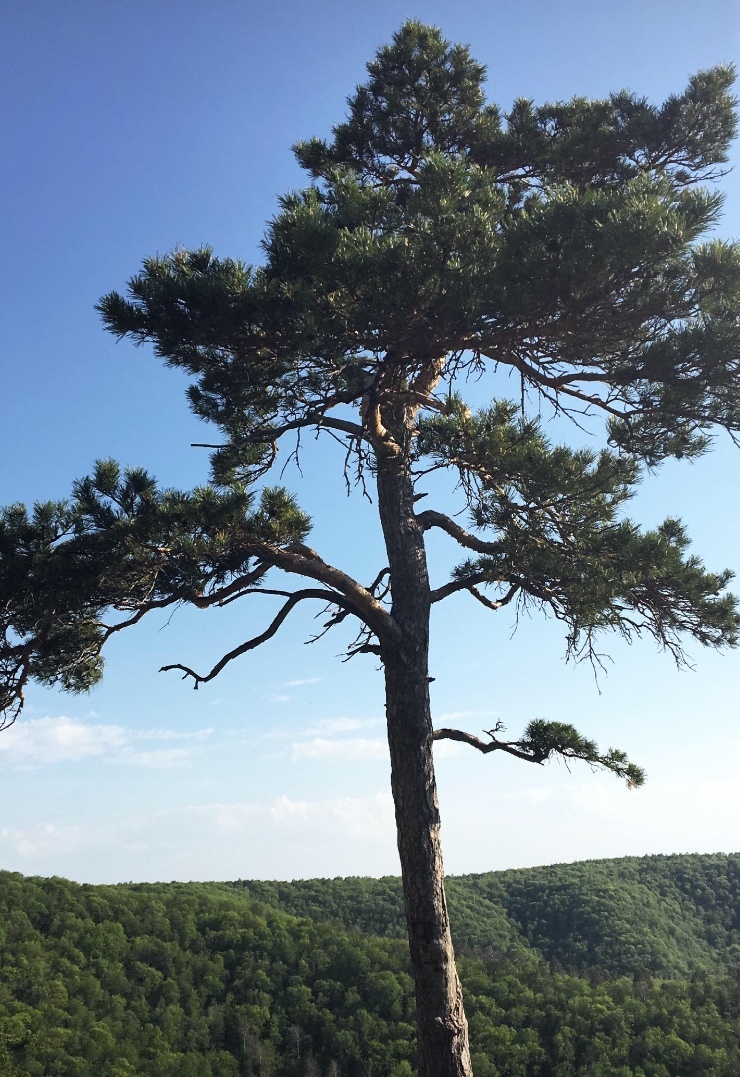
(304, 561)
(542, 740)
(491, 604)
(293, 600)
(431, 518)
(315, 416)
(510, 747)
(560, 385)
(454, 586)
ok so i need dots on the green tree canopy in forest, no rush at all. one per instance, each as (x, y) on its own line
(159, 980)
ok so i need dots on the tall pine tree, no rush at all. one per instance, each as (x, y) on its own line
(437, 240)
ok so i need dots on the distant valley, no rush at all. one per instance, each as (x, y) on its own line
(622, 967)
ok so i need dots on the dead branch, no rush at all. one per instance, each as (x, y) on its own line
(256, 641)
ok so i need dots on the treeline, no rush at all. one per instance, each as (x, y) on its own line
(671, 916)
(204, 980)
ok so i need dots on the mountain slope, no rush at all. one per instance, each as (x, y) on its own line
(668, 915)
(204, 980)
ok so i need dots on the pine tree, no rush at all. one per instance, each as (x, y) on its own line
(437, 240)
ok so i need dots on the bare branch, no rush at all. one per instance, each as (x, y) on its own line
(293, 600)
(315, 417)
(493, 745)
(431, 518)
(304, 561)
(454, 586)
(560, 385)
(491, 604)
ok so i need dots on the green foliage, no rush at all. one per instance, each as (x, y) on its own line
(670, 916)
(561, 241)
(121, 544)
(558, 540)
(544, 739)
(212, 980)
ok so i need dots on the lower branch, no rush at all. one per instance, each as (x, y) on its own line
(542, 740)
(492, 745)
(294, 598)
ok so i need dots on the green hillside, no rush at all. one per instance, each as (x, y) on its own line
(668, 915)
(221, 980)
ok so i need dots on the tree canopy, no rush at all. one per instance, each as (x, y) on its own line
(215, 980)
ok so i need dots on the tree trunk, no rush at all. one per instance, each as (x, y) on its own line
(442, 1028)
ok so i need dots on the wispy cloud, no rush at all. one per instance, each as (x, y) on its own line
(446, 749)
(173, 734)
(247, 839)
(341, 750)
(47, 838)
(42, 742)
(300, 683)
(456, 716)
(341, 725)
(163, 758)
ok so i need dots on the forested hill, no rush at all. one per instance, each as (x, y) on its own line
(669, 915)
(221, 980)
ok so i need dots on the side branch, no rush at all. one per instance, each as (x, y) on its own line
(304, 561)
(470, 584)
(493, 745)
(311, 419)
(430, 518)
(561, 384)
(293, 600)
(454, 586)
(542, 740)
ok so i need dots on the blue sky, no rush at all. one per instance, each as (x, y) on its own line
(134, 128)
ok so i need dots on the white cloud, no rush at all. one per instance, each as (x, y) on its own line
(172, 734)
(348, 749)
(47, 838)
(278, 838)
(456, 716)
(571, 819)
(41, 742)
(446, 749)
(164, 757)
(300, 683)
(351, 817)
(341, 725)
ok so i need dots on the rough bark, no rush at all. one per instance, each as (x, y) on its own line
(443, 1049)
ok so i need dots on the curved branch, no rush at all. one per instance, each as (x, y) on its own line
(431, 518)
(293, 600)
(315, 416)
(222, 596)
(490, 604)
(304, 561)
(543, 739)
(560, 385)
(510, 747)
(454, 586)
(315, 419)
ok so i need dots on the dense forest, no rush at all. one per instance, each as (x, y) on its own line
(626, 968)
